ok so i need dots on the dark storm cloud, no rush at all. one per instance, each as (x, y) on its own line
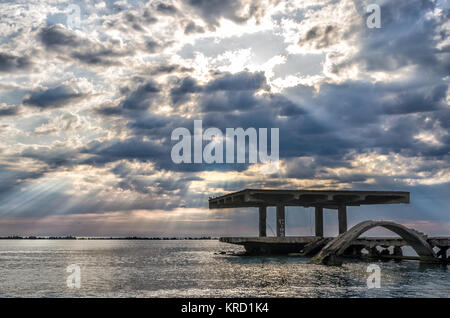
(358, 103)
(321, 36)
(191, 28)
(101, 57)
(245, 101)
(234, 97)
(406, 38)
(57, 38)
(157, 126)
(139, 20)
(9, 111)
(133, 148)
(153, 46)
(183, 88)
(133, 20)
(106, 110)
(166, 8)
(232, 91)
(138, 148)
(229, 92)
(140, 99)
(232, 83)
(320, 129)
(442, 118)
(12, 63)
(238, 82)
(53, 97)
(157, 150)
(417, 100)
(364, 117)
(167, 69)
(158, 153)
(213, 10)
(53, 157)
(136, 100)
(225, 101)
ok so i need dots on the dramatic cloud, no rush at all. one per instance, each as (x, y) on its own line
(8, 111)
(235, 10)
(12, 63)
(88, 104)
(52, 97)
(56, 37)
(59, 39)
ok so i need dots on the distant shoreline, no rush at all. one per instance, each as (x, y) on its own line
(106, 238)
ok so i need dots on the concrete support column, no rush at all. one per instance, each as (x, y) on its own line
(342, 216)
(262, 221)
(397, 251)
(318, 220)
(442, 252)
(281, 232)
(373, 252)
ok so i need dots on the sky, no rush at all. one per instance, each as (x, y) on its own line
(90, 92)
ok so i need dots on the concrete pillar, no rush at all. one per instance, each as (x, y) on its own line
(319, 221)
(342, 216)
(442, 252)
(373, 252)
(397, 251)
(280, 221)
(262, 221)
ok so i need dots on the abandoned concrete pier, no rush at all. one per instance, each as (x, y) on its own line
(327, 250)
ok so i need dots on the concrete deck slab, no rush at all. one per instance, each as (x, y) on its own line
(331, 199)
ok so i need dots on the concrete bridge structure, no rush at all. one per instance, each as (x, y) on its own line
(331, 253)
(347, 244)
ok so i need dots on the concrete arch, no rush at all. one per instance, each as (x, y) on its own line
(336, 247)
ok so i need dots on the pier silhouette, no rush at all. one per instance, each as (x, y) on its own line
(327, 250)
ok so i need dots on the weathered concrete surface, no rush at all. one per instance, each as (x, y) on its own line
(331, 199)
(306, 245)
(281, 221)
(262, 221)
(318, 220)
(269, 240)
(366, 241)
(314, 247)
(332, 252)
(270, 245)
(342, 219)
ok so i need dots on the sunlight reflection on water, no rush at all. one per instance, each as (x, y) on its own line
(115, 268)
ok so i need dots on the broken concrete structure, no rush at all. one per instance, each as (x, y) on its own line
(319, 199)
(337, 200)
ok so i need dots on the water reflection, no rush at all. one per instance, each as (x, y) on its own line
(192, 269)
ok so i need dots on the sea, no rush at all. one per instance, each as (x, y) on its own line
(197, 268)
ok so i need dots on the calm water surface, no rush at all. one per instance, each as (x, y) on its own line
(115, 268)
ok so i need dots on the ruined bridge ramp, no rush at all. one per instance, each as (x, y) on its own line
(330, 254)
